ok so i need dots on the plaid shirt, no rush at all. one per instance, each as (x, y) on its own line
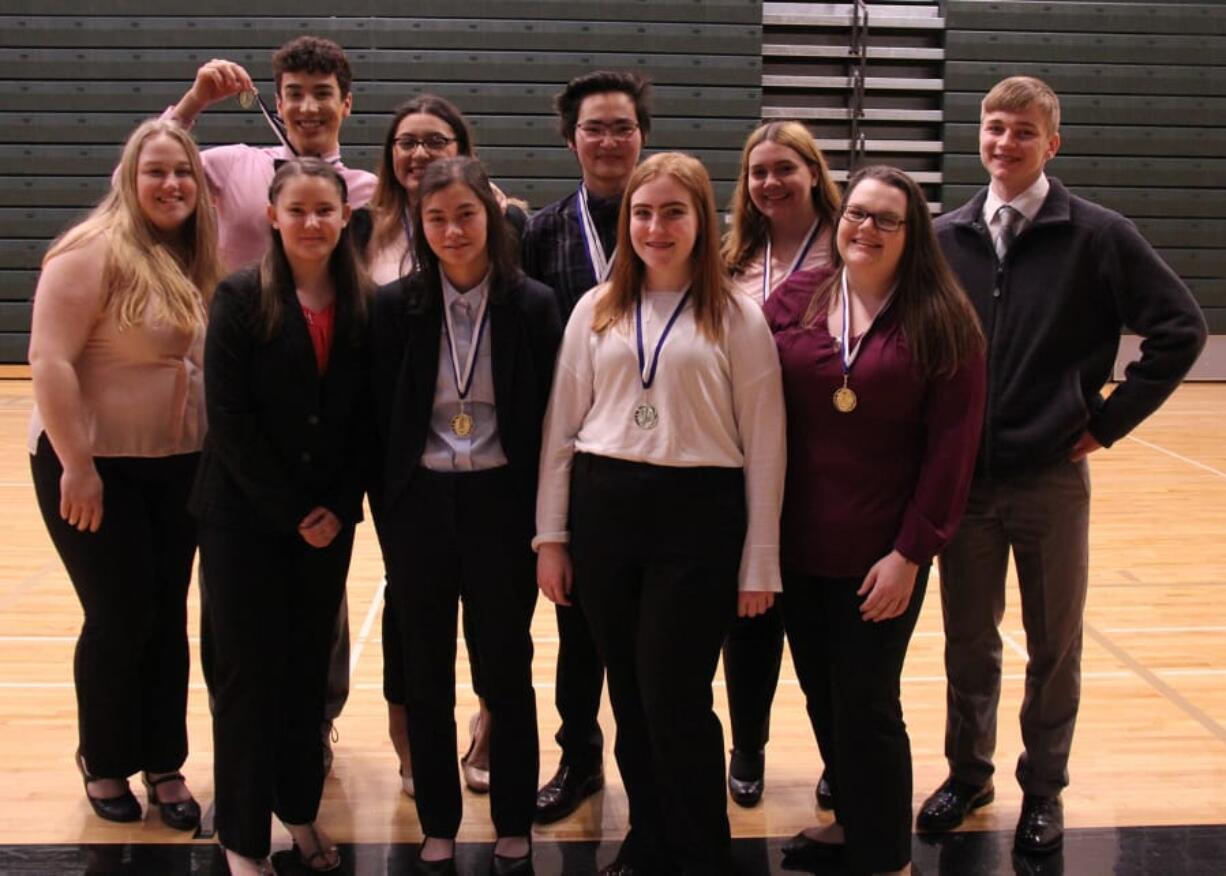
(554, 251)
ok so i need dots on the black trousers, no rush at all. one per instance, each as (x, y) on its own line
(578, 684)
(272, 611)
(131, 576)
(753, 653)
(393, 655)
(656, 552)
(466, 536)
(850, 671)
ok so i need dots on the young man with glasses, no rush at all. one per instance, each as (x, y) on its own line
(313, 98)
(604, 118)
(1053, 278)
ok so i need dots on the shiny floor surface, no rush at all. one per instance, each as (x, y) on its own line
(1129, 851)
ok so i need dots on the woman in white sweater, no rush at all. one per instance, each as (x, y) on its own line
(661, 485)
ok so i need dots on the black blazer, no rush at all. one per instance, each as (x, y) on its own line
(282, 439)
(524, 333)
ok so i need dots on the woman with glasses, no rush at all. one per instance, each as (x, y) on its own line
(422, 131)
(783, 214)
(884, 379)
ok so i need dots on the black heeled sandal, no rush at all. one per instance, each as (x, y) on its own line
(323, 854)
(122, 808)
(181, 814)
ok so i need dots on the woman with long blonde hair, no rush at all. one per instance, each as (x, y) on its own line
(115, 356)
(661, 484)
(783, 211)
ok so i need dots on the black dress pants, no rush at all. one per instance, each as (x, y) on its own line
(466, 536)
(578, 684)
(272, 611)
(850, 671)
(656, 552)
(753, 653)
(131, 576)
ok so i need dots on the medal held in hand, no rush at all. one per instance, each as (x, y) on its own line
(645, 414)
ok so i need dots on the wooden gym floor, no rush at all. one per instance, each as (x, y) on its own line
(1148, 766)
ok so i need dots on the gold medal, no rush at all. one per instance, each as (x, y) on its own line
(845, 398)
(646, 416)
(246, 99)
(462, 425)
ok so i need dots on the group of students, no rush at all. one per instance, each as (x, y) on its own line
(687, 441)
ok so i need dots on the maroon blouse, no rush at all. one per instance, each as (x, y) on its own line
(320, 326)
(893, 473)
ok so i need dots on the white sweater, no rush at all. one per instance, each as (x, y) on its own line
(720, 404)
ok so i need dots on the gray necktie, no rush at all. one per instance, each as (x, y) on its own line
(462, 324)
(1010, 219)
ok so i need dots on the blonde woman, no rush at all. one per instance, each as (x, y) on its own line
(662, 480)
(784, 211)
(115, 354)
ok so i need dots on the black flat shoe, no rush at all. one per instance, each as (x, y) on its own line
(445, 867)
(182, 814)
(505, 866)
(810, 853)
(825, 793)
(1040, 829)
(745, 777)
(122, 808)
(949, 805)
(562, 794)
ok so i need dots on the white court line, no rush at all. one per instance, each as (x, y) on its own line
(355, 654)
(1162, 630)
(1179, 456)
(1013, 645)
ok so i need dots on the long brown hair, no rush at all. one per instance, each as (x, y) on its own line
(709, 287)
(142, 265)
(391, 201)
(750, 228)
(938, 321)
(276, 275)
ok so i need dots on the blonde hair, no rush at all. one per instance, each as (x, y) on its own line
(709, 287)
(141, 267)
(1018, 93)
(749, 227)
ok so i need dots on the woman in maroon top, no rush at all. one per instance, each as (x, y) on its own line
(884, 379)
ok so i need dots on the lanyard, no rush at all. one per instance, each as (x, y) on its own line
(601, 264)
(648, 375)
(464, 380)
(767, 287)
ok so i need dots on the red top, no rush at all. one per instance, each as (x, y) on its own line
(320, 326)
(893, 473)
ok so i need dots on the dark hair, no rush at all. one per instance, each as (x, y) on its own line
(568, 101)
(938, 321)
(315, 55)
(500, 244)
(391, 200)
(276, 275)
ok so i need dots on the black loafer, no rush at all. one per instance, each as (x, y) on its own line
(800, 851)
(745, 777)
(182, 814)
(562, 794)
(825, 793)
(1040, 829)
(122, 808)
(951, 803)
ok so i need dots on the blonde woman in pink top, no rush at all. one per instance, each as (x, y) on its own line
(115, 352)
(784, 212)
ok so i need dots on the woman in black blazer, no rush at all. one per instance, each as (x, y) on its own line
(278, 494)
(463, 353)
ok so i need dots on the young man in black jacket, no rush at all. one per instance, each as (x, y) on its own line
(1054, 279)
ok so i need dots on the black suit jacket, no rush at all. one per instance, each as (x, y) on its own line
(524, 333)
(282, 439)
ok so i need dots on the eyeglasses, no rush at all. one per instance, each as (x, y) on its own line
(430, 142)
(886, 222)
(600, 130)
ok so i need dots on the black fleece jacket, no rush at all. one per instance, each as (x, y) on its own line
(1053, 312)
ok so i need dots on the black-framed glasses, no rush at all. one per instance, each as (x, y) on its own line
(600, 130)
(430, 142)
(886, 222)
